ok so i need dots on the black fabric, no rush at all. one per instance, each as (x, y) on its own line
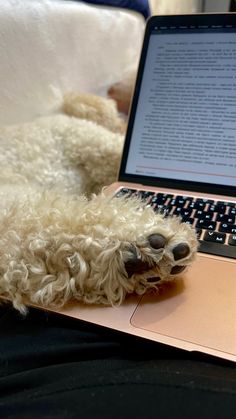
(56, 367)
(140, 6)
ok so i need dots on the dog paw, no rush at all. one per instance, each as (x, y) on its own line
(158, 257)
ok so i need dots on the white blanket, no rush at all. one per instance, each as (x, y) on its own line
(49, 48)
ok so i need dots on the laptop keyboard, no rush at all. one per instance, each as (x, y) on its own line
(214, 221)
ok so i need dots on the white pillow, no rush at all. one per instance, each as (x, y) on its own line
(49, 48)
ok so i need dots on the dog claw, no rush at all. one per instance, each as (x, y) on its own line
(177, 269)
(154, 279)
(135, 265)
(157, 241)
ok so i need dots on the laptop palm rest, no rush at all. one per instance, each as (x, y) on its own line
(200, 308)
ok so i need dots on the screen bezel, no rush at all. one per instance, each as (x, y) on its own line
(176, 21)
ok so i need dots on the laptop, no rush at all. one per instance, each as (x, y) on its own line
(180, 155)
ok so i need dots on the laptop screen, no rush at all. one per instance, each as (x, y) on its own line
(184, 125)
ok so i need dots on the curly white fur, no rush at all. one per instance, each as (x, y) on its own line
(55, 244)
(53, 250)
(59, 152)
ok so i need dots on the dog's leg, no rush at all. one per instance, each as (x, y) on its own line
(101, 110)
(95, 151)
(95, 251)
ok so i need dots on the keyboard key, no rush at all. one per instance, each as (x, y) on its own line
(199, 214)
(220, 208)
(162, 209)
(173, 202)
(144, 195)
(206, 225)
(186, 212)
(191, 205)
(188, 220)
(198, 232)
(228, 204)
(153, 199)
(208, 215)
(164, 196)
(227, 228)
(200, 204)
(232, 211)
(159, 198)
(217, 208)
(208, 201)
(181, 201)
(125, 191)
(177, 211)
(205, 215)
(224, 218)
(168, 195)
(232, 240)
(214, 236)
(184, 197)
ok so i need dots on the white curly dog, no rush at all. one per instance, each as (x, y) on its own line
(56, 244)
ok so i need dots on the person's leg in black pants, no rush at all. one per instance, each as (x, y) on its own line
(56, 367)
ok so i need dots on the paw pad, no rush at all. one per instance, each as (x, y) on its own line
(157, 241)
(181, 251)
(162, 264)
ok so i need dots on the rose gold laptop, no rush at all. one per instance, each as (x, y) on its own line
(181, 148)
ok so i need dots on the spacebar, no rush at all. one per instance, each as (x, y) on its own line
(217, 249)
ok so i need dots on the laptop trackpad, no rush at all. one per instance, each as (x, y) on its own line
(200, 308)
